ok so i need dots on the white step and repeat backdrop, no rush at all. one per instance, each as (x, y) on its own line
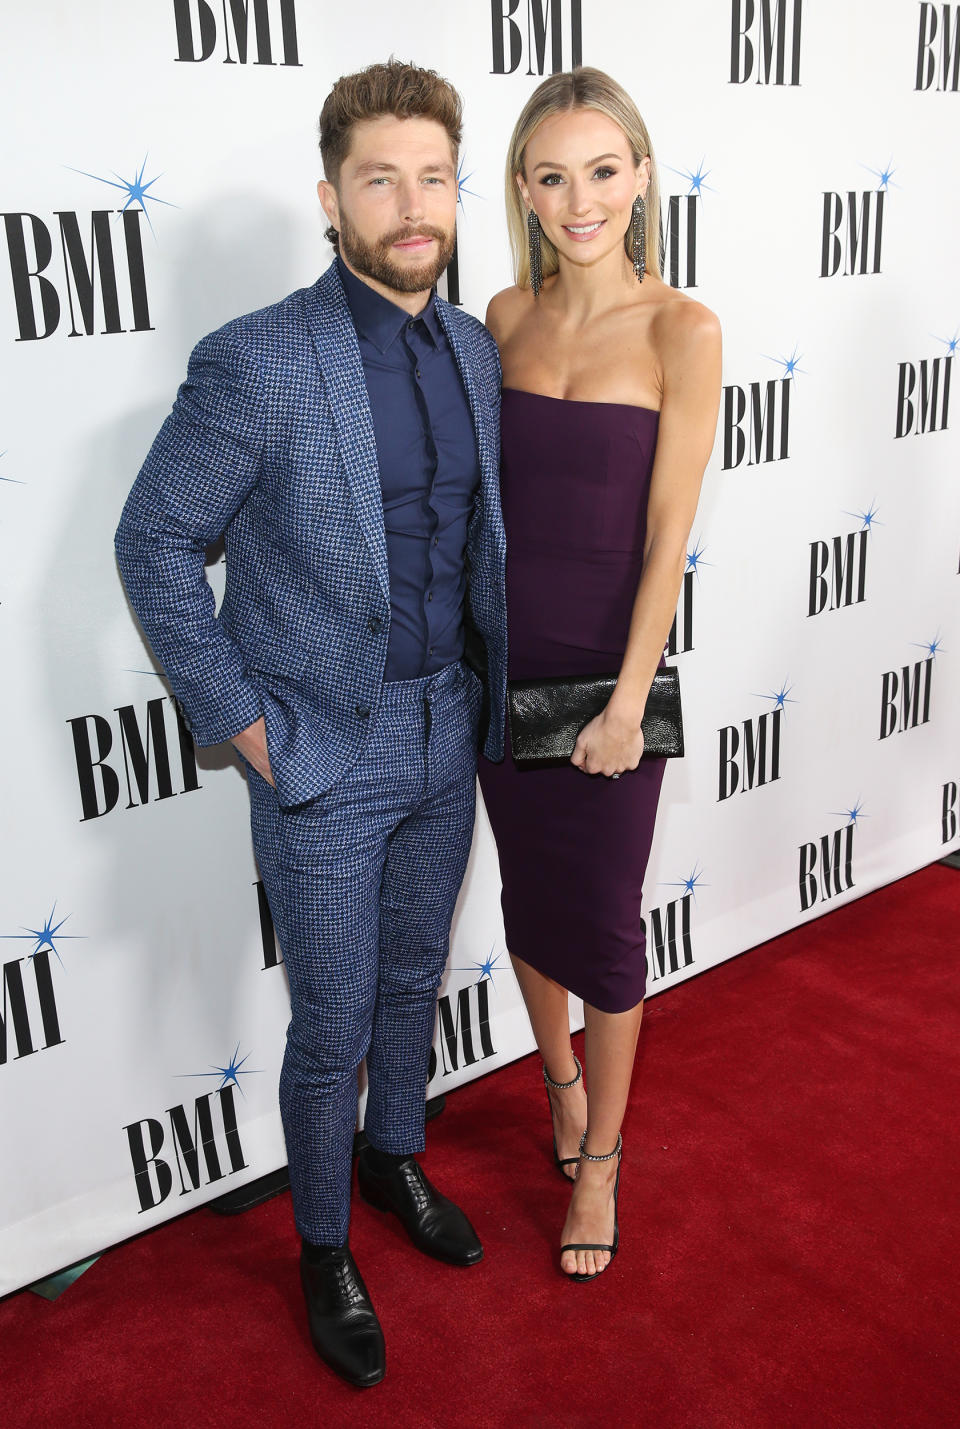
(158, 179)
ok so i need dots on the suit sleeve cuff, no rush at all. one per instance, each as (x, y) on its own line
(216, 724)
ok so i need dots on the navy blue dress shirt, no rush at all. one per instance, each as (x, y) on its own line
(429, 474)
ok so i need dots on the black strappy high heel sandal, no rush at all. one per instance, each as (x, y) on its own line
(615, 1246)
(562, 1087)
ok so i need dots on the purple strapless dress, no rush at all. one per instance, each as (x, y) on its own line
(573, 849)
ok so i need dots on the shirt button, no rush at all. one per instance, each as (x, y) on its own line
(431, 649)
(436, 540)
(363, 712)
(429, 595)
(418, 372)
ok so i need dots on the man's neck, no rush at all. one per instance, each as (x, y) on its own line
(412, 303)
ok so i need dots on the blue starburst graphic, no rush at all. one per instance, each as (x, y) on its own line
(789, 364)
(690, 884)
(885, 176)
(950, 342)
(231, 1073)
(695, 178)
(487, 968)
(781, 697)
(933, 647)
(695, 559)
(868, 518)
(851, 815)
(137, 189)
(47, 937)
(462, 181)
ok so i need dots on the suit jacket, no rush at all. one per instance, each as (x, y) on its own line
(271, 444)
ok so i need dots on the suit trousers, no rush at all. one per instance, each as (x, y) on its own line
(362, 884)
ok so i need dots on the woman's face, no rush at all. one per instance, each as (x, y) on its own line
(581, 180)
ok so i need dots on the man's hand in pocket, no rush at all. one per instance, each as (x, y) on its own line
(252, 744)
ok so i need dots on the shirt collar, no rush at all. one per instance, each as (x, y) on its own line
(379, 320)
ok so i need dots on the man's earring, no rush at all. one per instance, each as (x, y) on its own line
(536, 258)
(638, 237)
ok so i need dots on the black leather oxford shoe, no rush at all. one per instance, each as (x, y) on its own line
(343, 1323)
(434, 1224)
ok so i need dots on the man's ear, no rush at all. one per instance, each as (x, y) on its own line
(329, 202)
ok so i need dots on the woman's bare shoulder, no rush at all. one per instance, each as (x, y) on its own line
(682, 322)
(505, 310)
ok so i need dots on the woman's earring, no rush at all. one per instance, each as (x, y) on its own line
(638, 237)
(536, 261)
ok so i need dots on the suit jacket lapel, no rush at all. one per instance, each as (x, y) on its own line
(479, 409)
(335, 338)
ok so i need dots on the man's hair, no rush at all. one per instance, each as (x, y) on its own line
(402, 90)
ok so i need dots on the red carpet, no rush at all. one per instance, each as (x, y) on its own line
(789, 1220)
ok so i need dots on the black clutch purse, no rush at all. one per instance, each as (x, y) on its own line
(547, 715)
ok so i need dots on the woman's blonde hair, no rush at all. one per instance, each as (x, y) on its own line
(582, 88)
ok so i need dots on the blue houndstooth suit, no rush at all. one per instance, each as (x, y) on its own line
(363, 843)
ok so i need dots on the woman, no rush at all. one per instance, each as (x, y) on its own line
(611, 390)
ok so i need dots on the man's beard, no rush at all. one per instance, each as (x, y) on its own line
(374, 260)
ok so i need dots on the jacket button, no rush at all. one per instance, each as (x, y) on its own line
(363, 712)
(374, 624)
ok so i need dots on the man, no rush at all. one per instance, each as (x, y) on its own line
(346, 442)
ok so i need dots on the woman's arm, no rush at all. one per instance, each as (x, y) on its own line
(689, 348)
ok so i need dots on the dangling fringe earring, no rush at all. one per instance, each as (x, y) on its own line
(536, 261)
(638, 237)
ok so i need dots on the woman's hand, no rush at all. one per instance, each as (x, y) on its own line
(609, 744)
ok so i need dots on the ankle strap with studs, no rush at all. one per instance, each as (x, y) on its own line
(562, 1086)
(587, 1156)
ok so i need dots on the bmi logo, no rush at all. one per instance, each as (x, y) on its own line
(852, 228)
(463, 1026)
(539, 31)
(98, 276)
(765, 41)
(826, 864)
(938, 48)
(923, 392)
(30, 1021)
(204, 1139)
(838, 567)
(756, 418)
(678, 227)
(667, 929)
(244, 31)
(680, 638)
(148, 744)
(750, 751)
(905, 694)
